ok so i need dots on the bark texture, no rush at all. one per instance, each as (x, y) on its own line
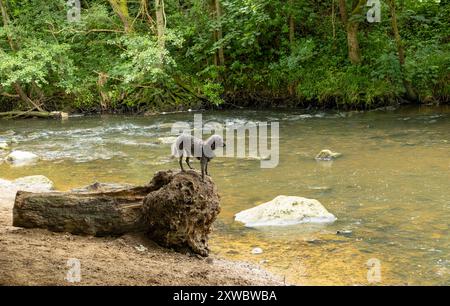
(180, 214)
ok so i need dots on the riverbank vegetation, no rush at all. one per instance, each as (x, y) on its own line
(160, 55)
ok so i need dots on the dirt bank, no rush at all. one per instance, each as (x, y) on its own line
(39, 257)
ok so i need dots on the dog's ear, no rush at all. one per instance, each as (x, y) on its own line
(213, 145)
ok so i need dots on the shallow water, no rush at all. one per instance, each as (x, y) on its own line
(390, 190)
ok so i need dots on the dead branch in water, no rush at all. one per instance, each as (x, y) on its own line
(33, 114)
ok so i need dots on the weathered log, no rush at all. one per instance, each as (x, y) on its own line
(176, 209)
(96, 210)
(99, 214)
(33, 114)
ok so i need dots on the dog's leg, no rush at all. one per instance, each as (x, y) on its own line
(206, 168)
(181, 163)
(203, 164)
(187, 162)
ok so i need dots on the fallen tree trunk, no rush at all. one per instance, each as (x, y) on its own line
(33, 114)
(98, 209)
(93, 213)
(178, 212)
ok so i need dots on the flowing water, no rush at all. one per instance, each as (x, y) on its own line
(390, 190)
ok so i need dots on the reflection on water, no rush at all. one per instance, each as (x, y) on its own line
(390, 190)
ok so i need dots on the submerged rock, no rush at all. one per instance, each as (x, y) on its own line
(321, 188)
(285, 210)
(5, 184)
(180, 214)
(20, 158)
(344, 232)
(60, 115)
(257, 251)
(4, 146)
(7, 133)
(35, 183)
(327, 155)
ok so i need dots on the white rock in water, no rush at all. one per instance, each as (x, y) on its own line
(7, 193)
(8, 189)
(6, 184)
(7, 133)
(285, 210)
(3, 146)
(256, 251)
(60, 115)
(34, 183)
(167, 140)
(21, 158)
(327, 155)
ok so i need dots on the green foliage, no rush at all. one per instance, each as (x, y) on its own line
(94, 64)
(38, 62)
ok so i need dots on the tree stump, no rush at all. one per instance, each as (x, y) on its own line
(181, 213)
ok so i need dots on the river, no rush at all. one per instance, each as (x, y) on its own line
(390, 190)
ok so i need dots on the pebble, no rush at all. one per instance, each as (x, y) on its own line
(344, 232)
(256, 251)
(140, 248)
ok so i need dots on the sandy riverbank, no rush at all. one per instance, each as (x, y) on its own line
(39, 257)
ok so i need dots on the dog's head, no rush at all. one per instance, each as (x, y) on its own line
(216, 141)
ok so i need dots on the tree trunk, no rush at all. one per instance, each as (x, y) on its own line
(104, 97)
(343, 12)
(99, 214)
(95, 210)
(212, 8)
(354, 53)
(121, 9)
(333, 22)
(219, 33)
(145, 14)
(409, 89)
(291, 23)
(4, 13)
(160, 27)
(351, 26)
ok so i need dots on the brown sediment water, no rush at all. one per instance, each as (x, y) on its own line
(390, 189)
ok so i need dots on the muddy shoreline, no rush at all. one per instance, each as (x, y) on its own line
(39, 257)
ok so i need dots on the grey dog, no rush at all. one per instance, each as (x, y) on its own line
(189, 146)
